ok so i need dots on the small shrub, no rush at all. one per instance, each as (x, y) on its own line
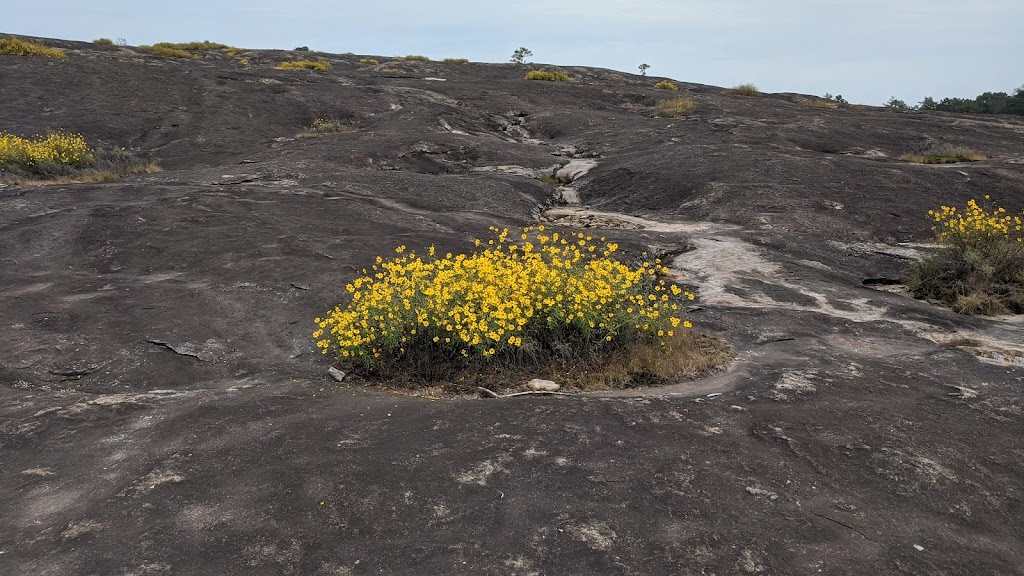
(544, 298)
(548, 75)
(17, 47)
(675, 107)
(838, 98)
(103, 41)
(416, 58)
(121, 41)
(744, 90)
(301, 49)
(666, 85)
(896, 104)
(980, 269)
(369, 61)
(319, 65)
(520, 55)
(457, 60)
(944, 154)
(324, 126)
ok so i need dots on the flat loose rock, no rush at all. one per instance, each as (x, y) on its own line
(540, 385)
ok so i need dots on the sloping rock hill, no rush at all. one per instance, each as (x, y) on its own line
(163, 409)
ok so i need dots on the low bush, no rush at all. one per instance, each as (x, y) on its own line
(675, 107)
(319, 65)
(666, 85)
(744, 90)
(416, 58)
(169, 52)
(944, 154)
(204, 45)
(545, 300)
(63, 156)
(187, 49)
(980, 269)
(103, 41)
(548, 75)
(324, 126)
(17, 47)
(457, 60)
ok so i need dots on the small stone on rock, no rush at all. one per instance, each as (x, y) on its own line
(539, 385)
(336, 374)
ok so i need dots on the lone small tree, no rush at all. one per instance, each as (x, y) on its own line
(520, 55)
(896, 103)
(643, 69)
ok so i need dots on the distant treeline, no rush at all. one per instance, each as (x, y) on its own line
(987, 103)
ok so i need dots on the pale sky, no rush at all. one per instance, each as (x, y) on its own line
(866, 50)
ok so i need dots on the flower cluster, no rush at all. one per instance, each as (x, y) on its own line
(509, 295)
(975, 226)
(54, 148)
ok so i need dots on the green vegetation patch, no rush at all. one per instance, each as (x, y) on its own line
(666, 85)
(17, 47)
(980, 269)
(548, 75)
(416, 58)
(103, 41)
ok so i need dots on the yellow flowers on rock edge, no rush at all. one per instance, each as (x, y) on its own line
(56, 147)
(975, 225)
(542, 291)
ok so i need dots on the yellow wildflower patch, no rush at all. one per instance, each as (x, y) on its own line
(54, 148)
(975, 225)
(544, 294)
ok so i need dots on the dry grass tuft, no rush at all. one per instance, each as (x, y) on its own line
(417, 58)
(944, 154)
(675, 107)
(319, 65)
(818, 103)
(456, 60)
(744, 90)
(103, 41)
(666, 85)
(325, 126)
(171, 52)
(369, 61)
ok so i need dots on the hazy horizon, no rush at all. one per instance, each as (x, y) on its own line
(865, 50)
